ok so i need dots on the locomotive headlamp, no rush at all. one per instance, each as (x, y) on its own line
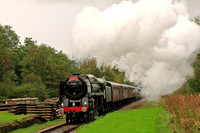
(84, 109)
(73, 104)
(62, 104)
(85, 103)
(62, 111)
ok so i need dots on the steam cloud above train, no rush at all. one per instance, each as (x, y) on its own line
(153, 41)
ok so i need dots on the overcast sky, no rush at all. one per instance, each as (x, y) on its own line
(50, 21)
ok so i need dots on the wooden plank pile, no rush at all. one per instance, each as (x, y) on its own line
(20, 101)
(18, 109)
(5, 107)
(52, 101)
(47, 111)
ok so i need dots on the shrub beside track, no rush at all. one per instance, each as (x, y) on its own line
(185, 112)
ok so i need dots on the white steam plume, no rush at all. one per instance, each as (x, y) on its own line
(154, 41)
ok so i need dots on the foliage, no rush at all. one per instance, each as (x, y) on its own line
(90, 67)
(194, 83)
(8, 38)
(8, 84)
(146, 120)
(106, 72)
(184, 89)
(8, 41)
(184, 111)
(31, 90)
(44, 62)
(196, 19)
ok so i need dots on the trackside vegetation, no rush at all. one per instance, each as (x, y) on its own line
(185, 113)
(36, 127)
(7, 117)
(144, 120)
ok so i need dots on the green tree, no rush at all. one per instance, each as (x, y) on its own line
(197, 19)
(9, 40)
(32, 87)
(8, 37)
(8, 84)
(45, 62)
(31, 90)
(194, 83)
(90, 67)
(107, 72)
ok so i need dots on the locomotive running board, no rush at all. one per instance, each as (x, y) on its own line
(98, 93)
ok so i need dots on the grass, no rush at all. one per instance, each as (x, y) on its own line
(148, 104)
(145, 120)
(7, 117)
(36, 127)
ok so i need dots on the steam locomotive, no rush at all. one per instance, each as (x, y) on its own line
(84, 97)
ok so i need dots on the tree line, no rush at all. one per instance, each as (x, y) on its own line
(32, 70)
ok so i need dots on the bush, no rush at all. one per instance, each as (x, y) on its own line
(31, 90)
(185, 112)
(53, 92)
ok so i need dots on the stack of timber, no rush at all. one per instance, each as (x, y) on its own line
(20, 101)
(18, 106)
(52, 101)
(5, 107)
(47, 111)
(18, 109)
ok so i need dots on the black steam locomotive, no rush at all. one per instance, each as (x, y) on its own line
(84, 97)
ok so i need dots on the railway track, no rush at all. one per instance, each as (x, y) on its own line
(120, 107)
(60, 128)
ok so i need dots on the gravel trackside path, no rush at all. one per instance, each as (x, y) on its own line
(133, 105)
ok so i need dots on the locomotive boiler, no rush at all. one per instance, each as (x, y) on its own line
(84, 97)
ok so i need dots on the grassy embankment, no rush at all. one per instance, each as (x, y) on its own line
(185, 110)
(143, 120)
(7, 117)
(36, 127)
